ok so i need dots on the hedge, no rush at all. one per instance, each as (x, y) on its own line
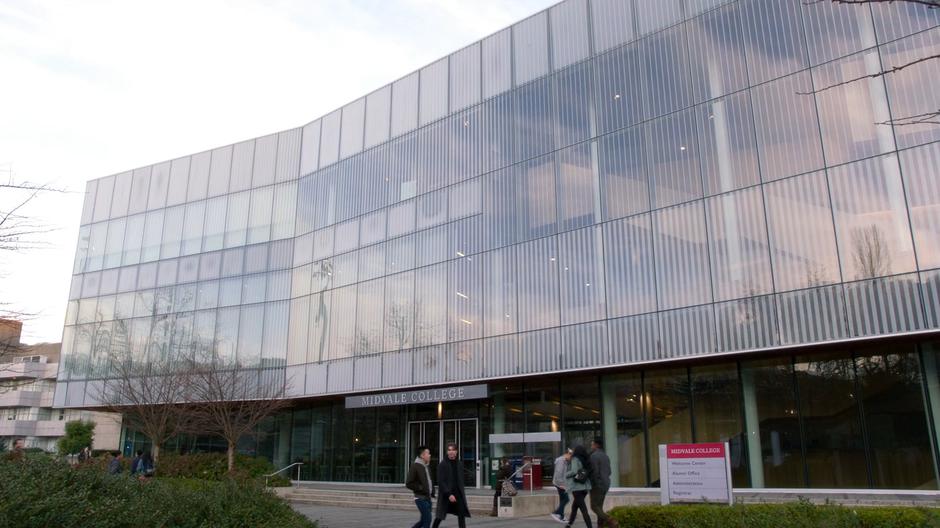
(789, 515)
(40, 492)
(214, 466)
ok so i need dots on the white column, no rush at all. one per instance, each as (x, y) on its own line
(755, 457)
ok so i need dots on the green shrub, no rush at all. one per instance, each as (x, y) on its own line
(78, 435)
(214, 466)
(790, 515)
(46, 493)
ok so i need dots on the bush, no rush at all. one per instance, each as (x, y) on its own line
(791, 515)
(42, 492)
(214, 466)
(78, 435)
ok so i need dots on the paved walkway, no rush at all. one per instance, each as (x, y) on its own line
(333, 517)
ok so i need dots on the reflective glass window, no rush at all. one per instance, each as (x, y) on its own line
(668, 415)
(159, 183)
(578, 187)
(532, 119)
(716, 49)
(497, 62)
(535, 199)
(738, 246)
(628, 256)
(682, 275)
(871, 219)
(122, 194)
(773, 35)
(572, 89)
(214, 226)
(622, 171)
(250, 328)
(115, 243)
(259, 220)
(198, 176)
(370, 316)
(536, 270)
(673, 159)
(787, 131)
(665, 58)
(236, 223)
(220, 169)
(140, 186)
(620, 95)
(716, 394)
(153, 230)
(727, 145)
(802, 240)
(914, 101)
(172, 232)
(399, 311)
(922, 182)
(581, 276)
(192, 228)
(530, 48)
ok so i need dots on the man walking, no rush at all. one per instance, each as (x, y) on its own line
(600, 482)
(451, 497)
(558, 480)
(419, 482)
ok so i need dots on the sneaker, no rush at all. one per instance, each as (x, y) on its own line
(557, 518)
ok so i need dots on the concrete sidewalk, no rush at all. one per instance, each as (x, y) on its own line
(333, 517)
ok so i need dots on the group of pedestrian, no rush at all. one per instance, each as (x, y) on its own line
(141, 465)
(578, 475)
(452, 498)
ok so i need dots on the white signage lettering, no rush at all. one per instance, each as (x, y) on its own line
(467, 392)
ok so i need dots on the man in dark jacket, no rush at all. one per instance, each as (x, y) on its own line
(451, 497)
(114, 466)
(419, 482)
(600, 482)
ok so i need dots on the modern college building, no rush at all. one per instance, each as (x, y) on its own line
(650, 221)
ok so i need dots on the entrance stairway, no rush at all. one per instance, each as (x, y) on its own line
(380, 498)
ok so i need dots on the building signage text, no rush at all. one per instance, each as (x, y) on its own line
(465, 392)
(695, 473)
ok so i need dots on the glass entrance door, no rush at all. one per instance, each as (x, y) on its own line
(436, 434)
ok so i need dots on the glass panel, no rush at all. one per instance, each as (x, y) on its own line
(621, 93)
(530, 48)
(898, 433)
(716, 46)
(572, 89)
(198, 176)
(465, 77)
(159, 182)
(431, 295)
(668, 413)
(672, 153)
(369, 317)
(578, 193)
(853, 113)
(666, 61)
(581, 409)
(835, 454)
(621, 163)
(569, 33)
(914, 102)
(727, 144)
(682, 275)
(922, 182)
(139, 189)
(250, 330)
(192, 228)
(101, 200)
(405, 104)
(378, 113)
(627, 394)
(172, 232)
(242, 162)
(532, 118)
(122, 194)
(497, 63)
(629, 266)
(499, 293)
(112, 250)
(236, 223)
(220, 170)
(802, 245)
(536, 269)
(535, 199)
(580, 263)
(133, 238)
(352, 132)
(871, 225)
(214, 224)
(153, 230)
(612, 23)
(259, 221)
(773, 33)
(787, 132)
(737, 237)
(772, 418)
(716, 394)
(433, 91)
(399, 311)
(834, 30)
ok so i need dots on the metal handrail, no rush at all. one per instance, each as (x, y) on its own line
(298, 464)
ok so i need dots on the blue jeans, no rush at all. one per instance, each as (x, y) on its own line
(562, 501)
(424, 506)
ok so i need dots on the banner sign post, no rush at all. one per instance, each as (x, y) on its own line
(695, 473)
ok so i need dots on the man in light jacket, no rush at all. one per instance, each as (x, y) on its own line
(562, 464)
(419, 482)
(600, 482)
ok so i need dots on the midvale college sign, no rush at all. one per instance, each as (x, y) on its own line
(385, 399)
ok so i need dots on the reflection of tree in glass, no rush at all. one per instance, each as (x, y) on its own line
(870, 253)
(816, 274)
(322, 274)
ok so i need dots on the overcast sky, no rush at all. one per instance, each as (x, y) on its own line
(92, 88)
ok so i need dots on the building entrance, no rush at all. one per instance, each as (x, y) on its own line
(436, 434)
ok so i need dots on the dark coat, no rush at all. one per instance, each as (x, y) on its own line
(417, 481)
(450, 482)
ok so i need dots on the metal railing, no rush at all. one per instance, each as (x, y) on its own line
(298, 464)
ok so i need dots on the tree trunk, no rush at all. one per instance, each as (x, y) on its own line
(155, 453)
(231, 456)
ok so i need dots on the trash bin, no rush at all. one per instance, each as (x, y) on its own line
(532, 475)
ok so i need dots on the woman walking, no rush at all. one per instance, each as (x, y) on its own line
(578, 481)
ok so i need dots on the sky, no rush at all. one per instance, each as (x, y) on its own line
(93, 88)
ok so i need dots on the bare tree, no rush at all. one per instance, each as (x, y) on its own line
(870, 252)
(231, 402)
(152, 397)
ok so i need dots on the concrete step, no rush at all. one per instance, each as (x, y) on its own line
(357, 498)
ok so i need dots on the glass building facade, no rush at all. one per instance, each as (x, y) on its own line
(651, 221)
